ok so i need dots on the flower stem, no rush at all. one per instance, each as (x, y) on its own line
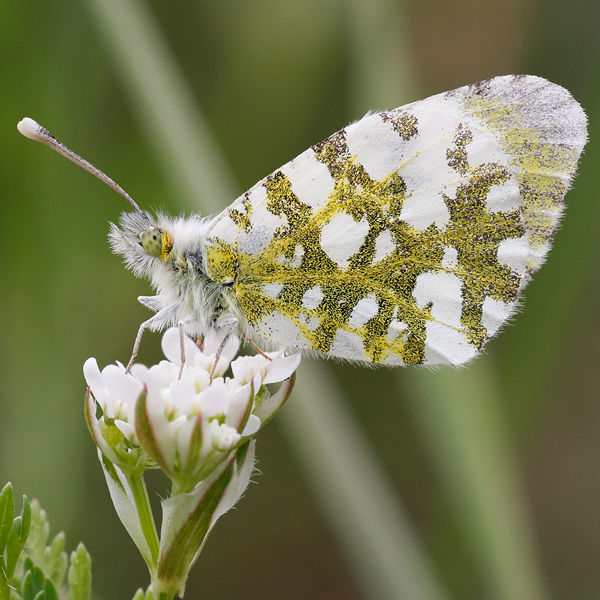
(142, 503)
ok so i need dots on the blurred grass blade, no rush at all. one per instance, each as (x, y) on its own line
(459, 413)
(381, 76)
(354, 492)
(164, 104)
(181, 140)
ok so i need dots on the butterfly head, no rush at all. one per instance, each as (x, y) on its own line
(145, 243)
(157, 242)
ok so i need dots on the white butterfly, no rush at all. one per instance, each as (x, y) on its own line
(405, 238)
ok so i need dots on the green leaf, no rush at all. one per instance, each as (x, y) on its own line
(26, 521)
(33, 581)
(50, 592)
(141, 595)
(17, 537)
(7, 514)
(80, 574)
(39, 534)
(55, 562)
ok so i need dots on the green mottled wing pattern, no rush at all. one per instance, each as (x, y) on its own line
(406, 237)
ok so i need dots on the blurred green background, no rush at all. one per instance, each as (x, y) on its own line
(496, 468)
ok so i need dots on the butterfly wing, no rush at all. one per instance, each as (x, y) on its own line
(407, 237)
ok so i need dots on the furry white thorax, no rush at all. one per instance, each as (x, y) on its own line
(184, 292)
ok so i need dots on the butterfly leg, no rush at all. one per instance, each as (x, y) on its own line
(154, 303)
(181, 327)
(255, 347)
(232, 328)
(160, 320)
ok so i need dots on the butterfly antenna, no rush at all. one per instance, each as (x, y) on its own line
(34, 131)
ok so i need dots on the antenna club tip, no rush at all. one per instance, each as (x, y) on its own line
(31, 129)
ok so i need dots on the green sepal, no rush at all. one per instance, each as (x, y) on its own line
(17, 537)
(110, 468)
(248, 412)
(195, 446)
(7, 514)
(240, 455)
(175, 561)
(267, 405)
(145, 434)
(80, 574)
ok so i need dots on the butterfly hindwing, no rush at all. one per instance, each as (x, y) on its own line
(406, 237)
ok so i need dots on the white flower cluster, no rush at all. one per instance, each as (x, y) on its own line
(179, 418)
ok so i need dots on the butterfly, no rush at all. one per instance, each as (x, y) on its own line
(405, 238)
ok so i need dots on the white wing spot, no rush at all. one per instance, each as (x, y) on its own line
(443, 292)
(310, 179)
(494, 314)
(393, 360)
(282, 331)
(272, 289)
(384, 245)
(295, 262)
(426, 208)
(255, 240)
(348, 345)
(342, 237)
(504, 197)
(310, 322)
(516, 254)
(225, 229)
(446, 346)
(395, 329)
(376, 146)
(450, 258)
(364, 311)
(312, 298)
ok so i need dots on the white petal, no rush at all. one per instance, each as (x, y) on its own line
(125, 387)
(93, 377)
(127, 430)
(183, 396)
(202, 378)
(211, 343)
(162, 372)
(239, 403)
(171, 346)
(183, 441)
(224, 438)
(258, 381)
(155, 406)
(282, 368)
(215, 400)
(240, 366)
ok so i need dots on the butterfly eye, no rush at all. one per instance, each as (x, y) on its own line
(152, 241)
